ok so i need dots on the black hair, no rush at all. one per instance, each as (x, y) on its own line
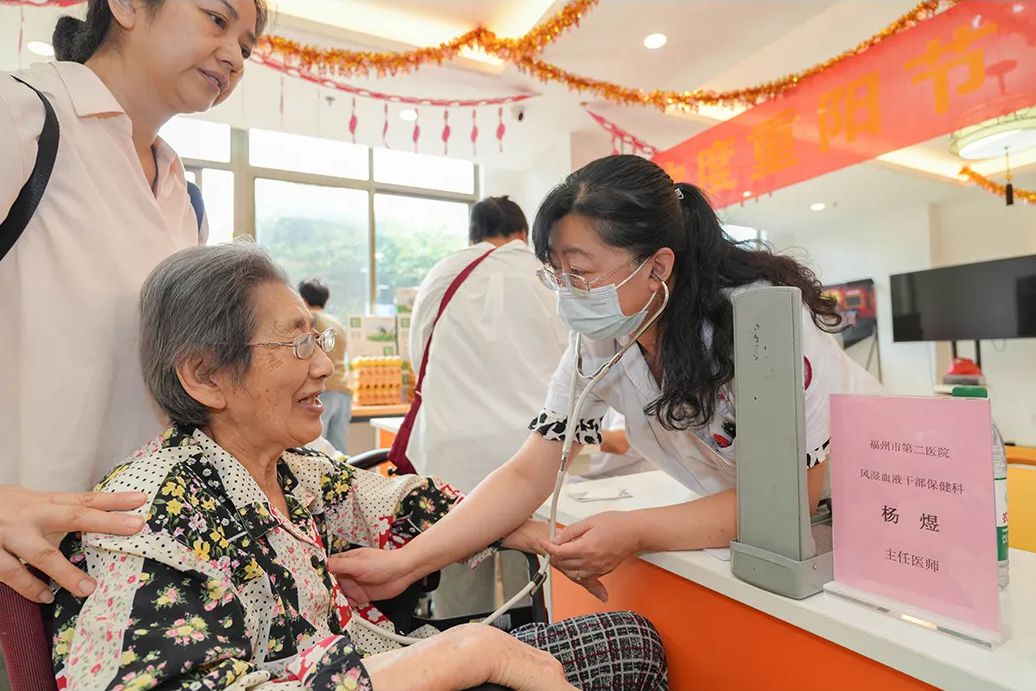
(78, 39)
(496, 217)
(633, 204)
(314, 292)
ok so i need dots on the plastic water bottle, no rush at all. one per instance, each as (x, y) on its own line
(1000, 492)
(999, 487)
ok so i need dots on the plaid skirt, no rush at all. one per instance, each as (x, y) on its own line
(611, 651)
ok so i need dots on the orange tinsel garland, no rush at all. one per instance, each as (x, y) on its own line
(748, 96)
(353, 63)
(996, 188)
(522, 51)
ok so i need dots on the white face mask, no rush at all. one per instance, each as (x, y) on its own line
(599, 314)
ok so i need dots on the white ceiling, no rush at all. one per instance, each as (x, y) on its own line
(712, 44)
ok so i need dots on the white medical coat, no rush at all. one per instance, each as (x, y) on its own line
(492, 357)
(703, 458)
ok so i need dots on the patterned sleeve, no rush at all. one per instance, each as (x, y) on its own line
(551, 421)
(368, 509)
(184, 630)
(552, 427)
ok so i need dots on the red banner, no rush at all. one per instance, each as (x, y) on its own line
(971, 63)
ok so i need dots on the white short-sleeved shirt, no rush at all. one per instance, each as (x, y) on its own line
(492, 356)
(72, 398)
(703, 458)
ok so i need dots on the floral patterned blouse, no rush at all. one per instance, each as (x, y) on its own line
(220, 590)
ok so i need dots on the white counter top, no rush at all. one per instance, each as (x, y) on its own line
(389, 424)
(927, 655)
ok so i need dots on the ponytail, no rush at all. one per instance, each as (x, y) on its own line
(78, 39)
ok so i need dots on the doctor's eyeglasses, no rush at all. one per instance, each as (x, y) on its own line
(304, 345)
(579, 284)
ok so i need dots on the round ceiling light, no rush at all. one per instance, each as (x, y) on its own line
(408, 114)
(1010, 133)
(655, 41)
(40, 48)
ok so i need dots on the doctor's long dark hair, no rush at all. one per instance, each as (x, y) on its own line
(632, 204)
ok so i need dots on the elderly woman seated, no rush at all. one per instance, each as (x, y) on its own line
(227, 585)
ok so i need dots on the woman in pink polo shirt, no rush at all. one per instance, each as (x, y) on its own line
(72, 398)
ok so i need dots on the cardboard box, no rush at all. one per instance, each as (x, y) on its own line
(372, 337)
(405, 298)
(403, 336)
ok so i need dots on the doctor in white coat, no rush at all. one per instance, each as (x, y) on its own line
(620, 243)
(494, 351)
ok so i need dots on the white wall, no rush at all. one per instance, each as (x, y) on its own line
(875, 248)
(978, 227)
(529, 185)
(974, 226)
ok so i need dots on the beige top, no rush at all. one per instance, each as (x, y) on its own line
(339, 380)
(72, 398)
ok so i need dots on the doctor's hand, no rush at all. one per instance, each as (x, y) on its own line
(28, 518)
(591, 548)
(366, 574)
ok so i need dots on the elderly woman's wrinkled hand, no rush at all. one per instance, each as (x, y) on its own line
(28, 517)
(517, 665)
(367, 574)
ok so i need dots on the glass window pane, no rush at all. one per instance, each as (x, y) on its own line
(321, 232)
(419, 170)
(283, 151)
(190, 176)
(197, 139)
(217, 189)
(411, 235)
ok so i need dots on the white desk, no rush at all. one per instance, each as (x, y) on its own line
(387, 424)
(927, 655)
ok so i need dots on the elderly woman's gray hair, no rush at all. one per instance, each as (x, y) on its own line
(200, 303)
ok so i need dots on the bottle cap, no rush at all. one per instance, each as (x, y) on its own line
(970, 392)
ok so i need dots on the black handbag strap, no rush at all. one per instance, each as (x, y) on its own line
(32, 192)
(194, 192)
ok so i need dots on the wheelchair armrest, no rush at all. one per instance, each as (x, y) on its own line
(369, 459)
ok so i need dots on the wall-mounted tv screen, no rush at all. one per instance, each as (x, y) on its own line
(985, 300)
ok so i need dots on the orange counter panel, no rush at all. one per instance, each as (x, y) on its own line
(718, 644)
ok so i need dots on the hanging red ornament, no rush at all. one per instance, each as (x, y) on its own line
(282, 101)
(353, 121)
(615, 145)
(474, 132)
(21, 32)
(446, 133)
(501, 128)
(384, 129)
(417, 128)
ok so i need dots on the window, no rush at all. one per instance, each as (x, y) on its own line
(412, 234)
(321, 232)
(309, 202)
(197, 139)
(217, 191)
(418, 170)
(301, 154)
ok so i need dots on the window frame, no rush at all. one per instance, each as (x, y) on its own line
(245, 176)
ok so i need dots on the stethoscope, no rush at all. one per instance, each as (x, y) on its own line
(575, 408)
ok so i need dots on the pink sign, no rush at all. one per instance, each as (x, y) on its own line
(912, 489)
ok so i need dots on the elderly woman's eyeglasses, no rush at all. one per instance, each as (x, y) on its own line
(304, 345)
(578, 284)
